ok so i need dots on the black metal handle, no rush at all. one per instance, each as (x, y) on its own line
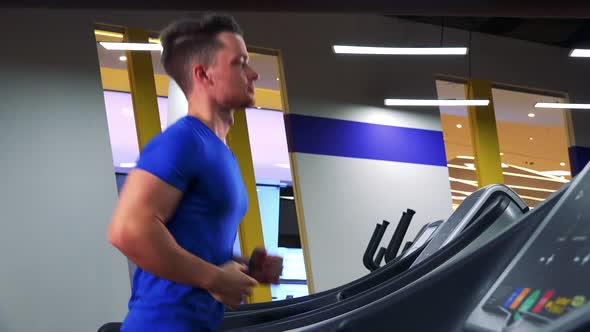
(398, 236)
(368, 261)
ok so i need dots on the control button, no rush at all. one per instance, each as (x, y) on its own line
(578, 301)
(577, 259)
(550, 259)
(586, 259)
(519, 298)
(527, 304)
(558, 306)
(539, 307)
(512, 297)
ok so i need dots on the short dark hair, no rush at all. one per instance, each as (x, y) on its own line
(188, 40)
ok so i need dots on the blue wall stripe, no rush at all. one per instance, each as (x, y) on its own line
(343, 138)
(579, 157)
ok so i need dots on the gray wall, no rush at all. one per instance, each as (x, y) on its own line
(57, 191)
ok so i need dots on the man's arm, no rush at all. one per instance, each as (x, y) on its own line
(137, 229)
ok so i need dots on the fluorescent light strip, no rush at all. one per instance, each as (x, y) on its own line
(534, 177)
(131, 46)
(542, 177)
(466, 193)
(458, 198)
(466, 157)
(437, 102)
(532, 188)
(468, 182)
(460, 167)
(580, 53)
(563, 106)
(532, 198)
(539, 173)
(344, 49)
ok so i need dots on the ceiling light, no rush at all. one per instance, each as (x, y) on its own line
(277, 78)
(131, 46)
(258, 107)
(530, 138)
(501, 153)
(466, 157)
(435, 102)
(531, 115)
(580, 53)
(563, 105)
(127, 165)
(342, 49)
(562, 164)
(123, 58)
(557, 173)
(459, 126)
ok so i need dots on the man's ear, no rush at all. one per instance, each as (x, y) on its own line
(200, 74)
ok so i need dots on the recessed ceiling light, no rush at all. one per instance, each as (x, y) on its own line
(277, 78)
(459, 126)
(501, 153)
(531, 115)
(531, 138)
(562, 163)
(123, 58)
(258, 107)
(343, 49)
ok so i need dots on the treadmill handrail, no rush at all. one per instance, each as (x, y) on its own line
(368, 260)
(398, 236)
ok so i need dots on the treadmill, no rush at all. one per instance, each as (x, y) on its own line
(374, 277)
(532, 276)
(494, 204)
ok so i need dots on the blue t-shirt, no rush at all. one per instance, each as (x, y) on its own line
(190, 157)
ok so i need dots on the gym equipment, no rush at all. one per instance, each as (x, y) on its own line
(390, 252)
(368, 261)
(398, 236)
(531, 276)
(490, 207)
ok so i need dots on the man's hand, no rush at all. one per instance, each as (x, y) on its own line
(265, 268)
(232, 284)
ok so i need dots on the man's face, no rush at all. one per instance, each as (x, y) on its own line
(232, 78)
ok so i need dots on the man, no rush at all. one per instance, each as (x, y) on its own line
(178, 213)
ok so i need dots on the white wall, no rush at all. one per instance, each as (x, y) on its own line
(58, 272)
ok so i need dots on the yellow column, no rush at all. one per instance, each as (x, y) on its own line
(250, 230)
(484, 134)
(143, 89)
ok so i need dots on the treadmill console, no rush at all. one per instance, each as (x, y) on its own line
(549, 277)
(464, 215)
(423, 236)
